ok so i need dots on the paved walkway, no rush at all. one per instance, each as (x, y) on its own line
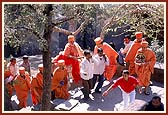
(112, 102)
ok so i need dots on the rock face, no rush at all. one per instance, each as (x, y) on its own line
(138, 105)
(85, 39)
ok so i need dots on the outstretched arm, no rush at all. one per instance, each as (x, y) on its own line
(107, 91)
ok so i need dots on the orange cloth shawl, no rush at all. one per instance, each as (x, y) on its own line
(112, 55)
(22, 87)
(130, 56)
(61, 91)
(144, 71)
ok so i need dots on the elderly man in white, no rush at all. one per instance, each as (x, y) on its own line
(86, 72)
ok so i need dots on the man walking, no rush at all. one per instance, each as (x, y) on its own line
(99, 68)
(127, 84)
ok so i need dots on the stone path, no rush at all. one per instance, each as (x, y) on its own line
(112, 102)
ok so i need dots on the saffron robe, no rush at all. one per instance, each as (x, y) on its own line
(144, 70)
(110, 69)
(37, 88)
(130, 56)
(22, 87)
(59, 83)
(73, 50)
(9, 85)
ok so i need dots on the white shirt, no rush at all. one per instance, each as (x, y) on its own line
(99, 67)
(12, 68)
(86, 68)
(126, 48)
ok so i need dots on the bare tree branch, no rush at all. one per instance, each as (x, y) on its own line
(80, 28)
(110, 22)
(62, 21)
(69, 18)
(138, 9)
(57, 29)
(67, 32)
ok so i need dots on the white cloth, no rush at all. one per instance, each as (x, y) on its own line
(9, 79)
(126, 48)
(99, 67)
(13, 69)
(128, 97)
(86, 68)
(26, 66)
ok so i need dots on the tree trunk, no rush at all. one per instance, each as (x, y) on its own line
(46, 97)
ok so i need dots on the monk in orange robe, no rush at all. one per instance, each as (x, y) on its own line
(59, 82)
(72, 54)
(37, 86)
(8, 77)
(144, 65)
(22, 87)
(130, 56)
(111, 54)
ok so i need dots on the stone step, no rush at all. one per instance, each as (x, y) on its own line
(67, 105)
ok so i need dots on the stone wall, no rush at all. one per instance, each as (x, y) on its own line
(157, 76)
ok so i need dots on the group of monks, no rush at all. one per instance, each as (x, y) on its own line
(67, 64)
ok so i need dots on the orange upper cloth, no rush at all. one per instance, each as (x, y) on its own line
(73, 50)
(61, 91)
(130, 56)
(112, 55)
(7, 73)
(37, 88)
(69, 62)
(22, 87)
(22, 84)
(76, 51)
(144, 71)
(109, 51)
(9, 87)
(37, 81)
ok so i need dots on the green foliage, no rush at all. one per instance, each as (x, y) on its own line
(159, 50)
(22, 20)
(148, 18)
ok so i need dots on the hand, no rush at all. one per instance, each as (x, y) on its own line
(104, 56)
(61, 83)
(140, 90)
(105, 93)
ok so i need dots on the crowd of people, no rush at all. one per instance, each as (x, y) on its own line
(87, 68)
